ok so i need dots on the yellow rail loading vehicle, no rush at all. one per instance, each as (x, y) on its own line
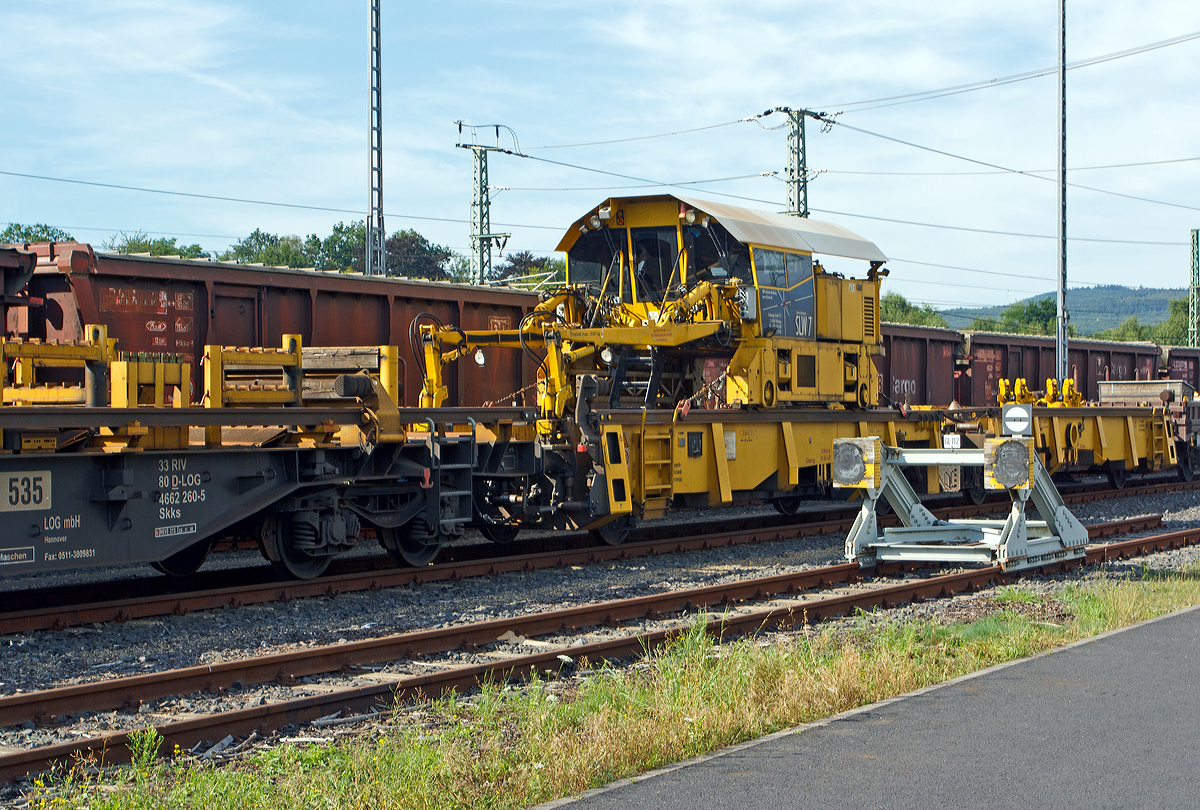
(698, 355)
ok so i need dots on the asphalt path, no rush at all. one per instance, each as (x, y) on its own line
(1112, 722)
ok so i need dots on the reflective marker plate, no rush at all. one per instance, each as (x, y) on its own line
(1017, 420)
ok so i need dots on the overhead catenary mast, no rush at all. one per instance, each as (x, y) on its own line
(797, 166)
(796, 175)
(481, 203)
(376, 255)
(1194, 293)
(1060, 340)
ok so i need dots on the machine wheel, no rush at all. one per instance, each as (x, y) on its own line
(863, 396)
(279, 546)
(787, 505)
(501, 533)
(1117, 476)
(408, 545)
(614, 533)
(972, 485)
(185, 562)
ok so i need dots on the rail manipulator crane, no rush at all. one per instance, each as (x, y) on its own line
(698, 354)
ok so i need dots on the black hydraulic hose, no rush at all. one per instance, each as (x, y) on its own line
(414, 339)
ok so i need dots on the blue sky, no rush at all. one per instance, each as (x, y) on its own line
(268, 101)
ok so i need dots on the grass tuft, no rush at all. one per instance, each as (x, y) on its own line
(506, 747)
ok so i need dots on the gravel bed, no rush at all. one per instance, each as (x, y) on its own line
(56, 658)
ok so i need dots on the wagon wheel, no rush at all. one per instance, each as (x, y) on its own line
(502, 533)
(614, 533)
(185, 562)
(1117, 476)
(278, 544)
(1187, 464)
(972, 485)
(491, 520)
(409, 544)
(788, 505)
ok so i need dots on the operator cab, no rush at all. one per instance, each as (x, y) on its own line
(647, 251)
(790, 332)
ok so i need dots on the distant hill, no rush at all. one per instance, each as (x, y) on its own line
(1092, 309)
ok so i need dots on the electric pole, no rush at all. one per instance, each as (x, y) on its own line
(797, 167)
(481, 205)
(376, 254)
(1194, 293)
(1060, 343)
(797, 162)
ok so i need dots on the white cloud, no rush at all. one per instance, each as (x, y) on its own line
(267, 100)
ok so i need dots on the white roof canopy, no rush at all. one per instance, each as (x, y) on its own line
(786, 231)
(769, 230)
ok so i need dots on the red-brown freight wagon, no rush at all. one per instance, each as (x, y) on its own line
(917, 367)
(1182, 363)
(171, 305)
(993, 356)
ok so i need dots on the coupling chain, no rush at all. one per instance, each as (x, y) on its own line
(513, 396)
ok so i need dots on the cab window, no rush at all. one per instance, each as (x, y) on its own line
(654, 257)
(714, 255)
(592, 255)
(786, 300)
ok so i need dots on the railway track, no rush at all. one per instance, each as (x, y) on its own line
(44, 706)
(68, 606)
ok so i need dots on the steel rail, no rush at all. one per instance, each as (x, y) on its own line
(187, 732)
(129, 692)
(56, 615)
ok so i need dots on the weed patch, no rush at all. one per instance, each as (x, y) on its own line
(508, 747)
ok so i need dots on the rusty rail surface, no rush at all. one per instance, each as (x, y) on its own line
(62, 611)
(128, 691)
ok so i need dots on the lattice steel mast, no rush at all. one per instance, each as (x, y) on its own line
(376, 255)
(796, 175)
(797, 166)
(1194, 293)
(481, 204)
(1060, 341)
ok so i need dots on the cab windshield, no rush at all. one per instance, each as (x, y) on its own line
(592, 256)
(714, 255)
(655, 262)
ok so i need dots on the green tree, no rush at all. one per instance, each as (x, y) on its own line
(458, 269)
(342, 251)
(1174, 330)
(139, 242)
(1129, 329)
(269, 249)
(411, 254)
(16, 234)
(1033, 317)
(526, 269)
(895, 308)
